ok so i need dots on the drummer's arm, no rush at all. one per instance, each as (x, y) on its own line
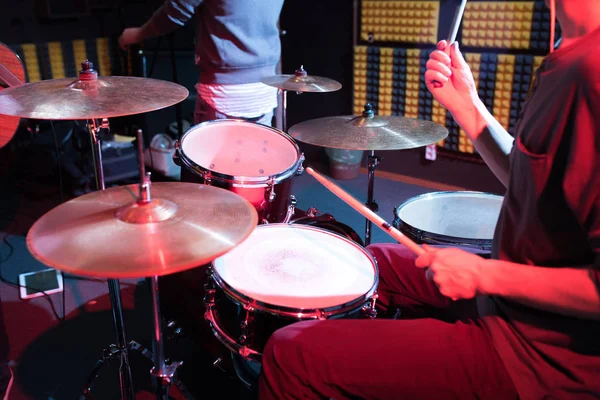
(450, 80)
(491, 140)
(573, 292)
(171, 15)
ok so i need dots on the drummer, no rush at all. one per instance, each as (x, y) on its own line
(524, 324)
(237, 45)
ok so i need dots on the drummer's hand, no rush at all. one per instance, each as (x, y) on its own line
(448, 69)
(128, 37)
(456, 273)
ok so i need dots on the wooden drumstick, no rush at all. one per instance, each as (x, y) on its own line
(454, 30)
(366, 212)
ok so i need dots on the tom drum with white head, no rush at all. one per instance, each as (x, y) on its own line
(459, 219)
(283, 274)
(255, 161)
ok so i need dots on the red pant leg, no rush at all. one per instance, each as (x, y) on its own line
(425, 358)
(383, 359)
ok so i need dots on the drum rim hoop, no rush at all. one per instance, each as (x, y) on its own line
(239, 179)
(295, 312)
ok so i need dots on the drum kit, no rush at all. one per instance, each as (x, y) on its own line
(235, 214)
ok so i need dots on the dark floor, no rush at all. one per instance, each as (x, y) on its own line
(53, 358)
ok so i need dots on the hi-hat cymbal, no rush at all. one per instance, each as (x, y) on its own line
(104, 97)
(301, 82)
(368, 132)
(109, 234)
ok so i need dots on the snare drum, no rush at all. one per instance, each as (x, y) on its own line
(283, 274)
(255, 161)
(458, 219)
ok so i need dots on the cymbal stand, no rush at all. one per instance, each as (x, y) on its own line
(120, 350)
(372, 162)
(88, 78)
(162, 372)
(284, 111)
(95, 127)
(299, 73)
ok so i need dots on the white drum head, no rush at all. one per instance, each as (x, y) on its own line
(466, 215)
(297, 267)
(239, 148)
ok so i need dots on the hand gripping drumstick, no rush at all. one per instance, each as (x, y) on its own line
(366, 212)
(454, 30)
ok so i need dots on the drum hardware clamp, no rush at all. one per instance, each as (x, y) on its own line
(291, 210)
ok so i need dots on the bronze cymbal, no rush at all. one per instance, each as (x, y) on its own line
(368, 132)
(109, 234)
(104, 97)
(301, 82)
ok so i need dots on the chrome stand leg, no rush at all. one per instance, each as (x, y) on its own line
(284, 113)
(125, 378)
(372, 162)
(162, 373)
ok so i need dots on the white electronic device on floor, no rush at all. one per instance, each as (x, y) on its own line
(32, 284)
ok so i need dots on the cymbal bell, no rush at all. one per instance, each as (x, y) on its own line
(302, 82)
(368, 132)
(89, 97)
(110, 234)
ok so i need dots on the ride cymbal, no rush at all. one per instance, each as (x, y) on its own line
(368, 132)
(110, 234)
(89, 97)
(302, 82)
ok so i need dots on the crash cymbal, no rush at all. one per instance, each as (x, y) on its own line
(89, 98)
(109, 234)
(368, 132)
(301, 82)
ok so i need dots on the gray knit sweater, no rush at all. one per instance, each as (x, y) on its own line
(237, 41)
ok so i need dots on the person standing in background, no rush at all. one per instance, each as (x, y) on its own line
(237, 44)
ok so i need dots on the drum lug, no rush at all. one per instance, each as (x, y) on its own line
(270, 192)
(245, 327)
(206, 176)
(209, 290)
(369, 309)
(209, 297)
(291, 210)
(301, 166)
(176, 158)
(396, 222)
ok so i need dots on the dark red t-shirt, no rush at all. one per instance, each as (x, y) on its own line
(551, 217)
